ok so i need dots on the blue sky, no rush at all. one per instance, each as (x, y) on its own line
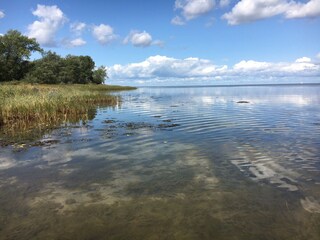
(179, 42)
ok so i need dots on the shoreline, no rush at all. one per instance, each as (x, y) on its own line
(236, 85)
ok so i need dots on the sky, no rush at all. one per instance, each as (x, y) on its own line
(179, 42)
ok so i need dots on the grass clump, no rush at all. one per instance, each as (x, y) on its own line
(46, 104)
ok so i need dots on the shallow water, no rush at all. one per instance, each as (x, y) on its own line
(172, 163)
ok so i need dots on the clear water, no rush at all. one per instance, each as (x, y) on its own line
(173, 163)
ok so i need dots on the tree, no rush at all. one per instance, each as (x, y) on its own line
(47, 69)
(86, 69)
(79, 68)
(99, 75)
(15, 51)
(52, 69)
(71, 69)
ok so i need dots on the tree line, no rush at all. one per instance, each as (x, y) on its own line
(15, 64)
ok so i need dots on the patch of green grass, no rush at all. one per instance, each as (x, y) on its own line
(45, 104)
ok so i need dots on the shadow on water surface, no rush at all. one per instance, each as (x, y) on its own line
(208, 168)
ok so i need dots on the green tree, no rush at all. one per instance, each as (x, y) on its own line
(99, 75)
(86, 69)
(52, 69)
(15, 51)
(78, 69)
(47, 69)
(71, 69)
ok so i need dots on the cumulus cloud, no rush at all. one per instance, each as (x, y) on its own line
(194, 8)
(190, 9)
(104, 34)
(251, 65)
(77, 42)
(51, 19)
(71, 43)
(318, 55)
(310, 9)
(251, 10)
(163, 67)
(303, 60)
(78, 27)
(300, 67)
(1, 14)
(141, 39)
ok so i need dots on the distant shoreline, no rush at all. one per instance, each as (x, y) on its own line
(236, 85)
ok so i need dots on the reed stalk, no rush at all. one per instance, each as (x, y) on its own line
(45, 104)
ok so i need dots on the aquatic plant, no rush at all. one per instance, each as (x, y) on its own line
(44, 104)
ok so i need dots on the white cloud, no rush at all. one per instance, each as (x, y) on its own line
(304, 10)
(303, 60)
(177, 21)
(251, 65)
(300, 67)
(51, 19)
(141, 39)
(104, 33)
(194, 8)
(251, 10)
(2, 15)
(78, 28)
(318, 55)
(77, 42)
(70, 43)
(190, 9)
(164, 68)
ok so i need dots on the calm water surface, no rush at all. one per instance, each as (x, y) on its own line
(173, 163)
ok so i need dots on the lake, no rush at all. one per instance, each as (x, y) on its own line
(172, 163)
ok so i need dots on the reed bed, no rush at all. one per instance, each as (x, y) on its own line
(44, 104)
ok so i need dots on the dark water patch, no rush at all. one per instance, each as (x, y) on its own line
(164, 126)
(109, 121)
